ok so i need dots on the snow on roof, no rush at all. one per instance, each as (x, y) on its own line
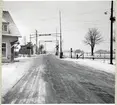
(3, 20)
(6, 17)
(4, 34)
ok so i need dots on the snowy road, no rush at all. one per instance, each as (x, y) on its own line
(51, 80)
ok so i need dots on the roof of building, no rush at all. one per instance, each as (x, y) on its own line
(13, 30)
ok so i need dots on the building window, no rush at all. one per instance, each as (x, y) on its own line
(4, 27)
(3, 49)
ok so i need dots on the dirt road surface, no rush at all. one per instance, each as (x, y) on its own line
(51, 80)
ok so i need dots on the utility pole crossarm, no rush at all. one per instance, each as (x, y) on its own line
(44, 34)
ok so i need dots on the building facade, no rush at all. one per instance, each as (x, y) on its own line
(10, 35)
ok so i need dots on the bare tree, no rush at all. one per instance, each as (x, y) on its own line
(92, 38)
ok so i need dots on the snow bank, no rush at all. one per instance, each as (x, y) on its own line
(97, 65)
(12, 72)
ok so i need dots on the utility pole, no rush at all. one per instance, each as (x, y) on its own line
(71, 52)
(56, 44)
(61, 53)
(112, 19)
(30, 43)
(36, 41)
(39, 47)
(45, 46)
(56, 36)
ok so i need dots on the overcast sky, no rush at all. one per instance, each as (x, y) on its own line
(76, 18)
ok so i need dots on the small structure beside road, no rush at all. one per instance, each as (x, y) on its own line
(10, 35)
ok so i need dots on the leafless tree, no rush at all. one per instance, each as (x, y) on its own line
(92, 38)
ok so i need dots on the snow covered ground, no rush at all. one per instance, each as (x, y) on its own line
(96, 64)
(52, 80)
(12, 72)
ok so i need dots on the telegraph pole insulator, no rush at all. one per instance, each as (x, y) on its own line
(112, 19)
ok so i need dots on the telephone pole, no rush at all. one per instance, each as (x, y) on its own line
(112, 19)
(56, 36)
(56, 44)
(36, 41)
(71, 52)
(61, 53)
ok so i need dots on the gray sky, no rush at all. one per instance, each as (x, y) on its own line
(77, 17)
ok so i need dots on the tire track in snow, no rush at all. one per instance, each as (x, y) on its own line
(30, 89)
(74, 90)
